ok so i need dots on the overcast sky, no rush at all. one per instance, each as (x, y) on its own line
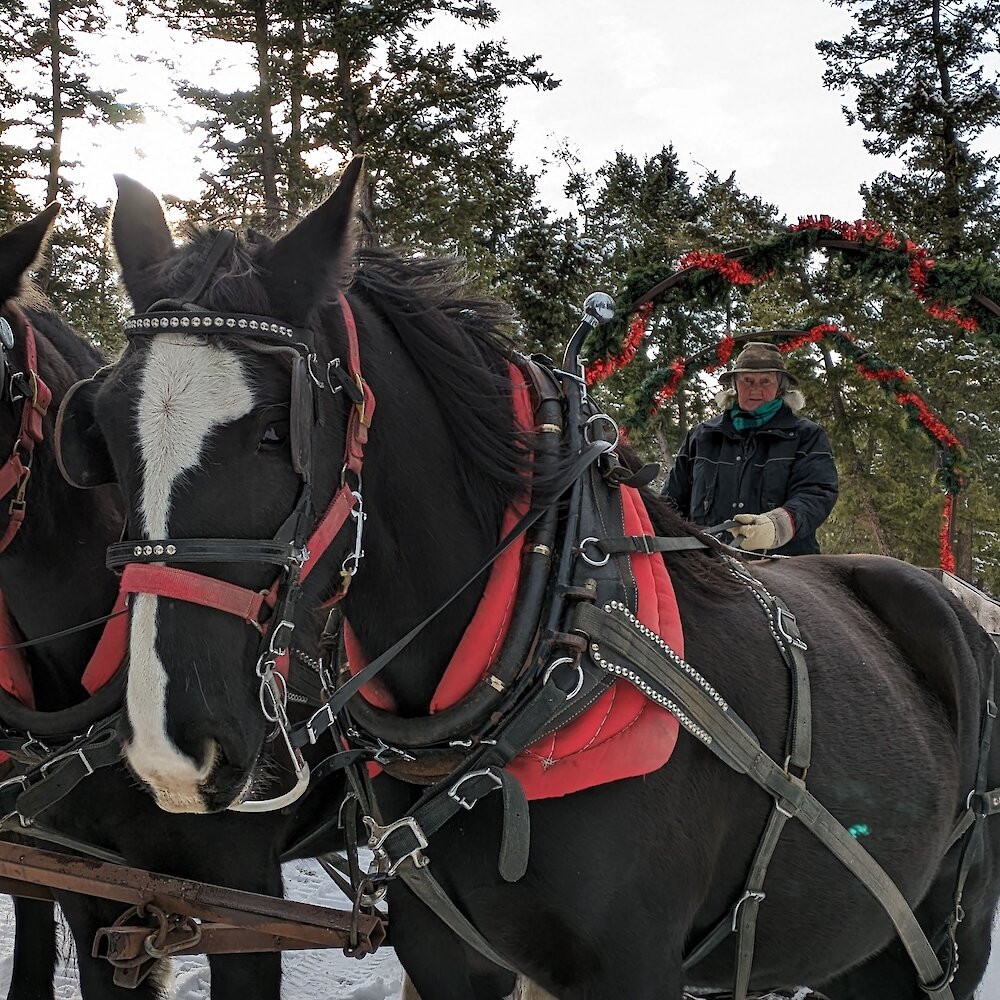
(732, 85)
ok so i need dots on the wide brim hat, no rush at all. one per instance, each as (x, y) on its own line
(757, 357)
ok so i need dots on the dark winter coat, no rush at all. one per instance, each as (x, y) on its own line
(720, 472)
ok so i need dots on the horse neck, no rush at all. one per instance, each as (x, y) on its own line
(52, 575)
(423, 539)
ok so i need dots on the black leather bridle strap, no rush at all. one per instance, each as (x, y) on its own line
(647, 544)
(200, 550)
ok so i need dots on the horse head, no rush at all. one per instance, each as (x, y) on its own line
(236, 423)
(45, 527)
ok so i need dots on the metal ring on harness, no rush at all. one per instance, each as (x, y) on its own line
(598, 418)
(583, 553)
(558, 663)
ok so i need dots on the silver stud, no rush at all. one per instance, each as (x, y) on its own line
(196, 321)
(158, 549)
(137, 551)
(230, 322)
(253, 324)
(217, 321)
(242, 324)
(148, 550)
(174, 321)
(171, 549)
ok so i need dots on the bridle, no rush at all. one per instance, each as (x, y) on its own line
(34, 395)
(302, 539)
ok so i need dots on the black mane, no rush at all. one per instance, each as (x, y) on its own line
(458, 344)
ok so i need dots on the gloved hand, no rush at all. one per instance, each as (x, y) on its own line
(770, 530)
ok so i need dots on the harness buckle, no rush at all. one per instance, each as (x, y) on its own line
(387, 754)
(379, 835)
(19, 501)
(757, 897)
(17, 387)
(360, 383)
(273, 648)
(485, 772)
(793, 635)
(312, 732)
(350, 564)
(28, 747)
(46, 765)
(18, 779)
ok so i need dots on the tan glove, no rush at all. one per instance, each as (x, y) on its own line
(764, 531)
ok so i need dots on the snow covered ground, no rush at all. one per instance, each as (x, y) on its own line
(315, 975)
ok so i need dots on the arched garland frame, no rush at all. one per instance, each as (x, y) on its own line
(960, 292)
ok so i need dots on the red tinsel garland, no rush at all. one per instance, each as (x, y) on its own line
(678, 369)
(946, 557)
(599, 370)
(933, 423)
(732, 270)
(863, 231)
(921, 262)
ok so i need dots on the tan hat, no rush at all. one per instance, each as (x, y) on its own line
(759, 358)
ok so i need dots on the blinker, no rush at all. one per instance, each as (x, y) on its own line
(6, 335)
(303, 418)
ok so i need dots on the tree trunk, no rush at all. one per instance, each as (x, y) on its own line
(857, 467)
(962, 535)
(952, 152)
(296, 171)
(268, 156)
(366, 193)
(55, 151)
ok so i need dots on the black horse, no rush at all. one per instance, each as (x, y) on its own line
(53, 576)
(207, 442)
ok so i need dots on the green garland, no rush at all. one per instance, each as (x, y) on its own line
(960, 292)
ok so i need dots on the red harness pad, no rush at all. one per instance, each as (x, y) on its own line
(622, 735)
(14, 676)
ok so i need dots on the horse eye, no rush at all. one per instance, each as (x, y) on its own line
(274, 434)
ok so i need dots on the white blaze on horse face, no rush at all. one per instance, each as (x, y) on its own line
(186, 392)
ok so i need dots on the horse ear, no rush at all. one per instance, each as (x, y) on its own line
(140, 235)
(21, 248)
(300, 267)
(81, 451)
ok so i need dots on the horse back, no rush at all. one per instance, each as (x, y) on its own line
(943, 649)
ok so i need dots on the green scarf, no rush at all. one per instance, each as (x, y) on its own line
(744, 420)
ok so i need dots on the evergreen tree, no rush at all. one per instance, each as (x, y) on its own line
(342, 78)
(46, 85)
(644, 215)
(926, 90)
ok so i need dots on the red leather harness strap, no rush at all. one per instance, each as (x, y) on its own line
(195, 588)
(16, 470)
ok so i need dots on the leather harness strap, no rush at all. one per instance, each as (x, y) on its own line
(620, 647)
